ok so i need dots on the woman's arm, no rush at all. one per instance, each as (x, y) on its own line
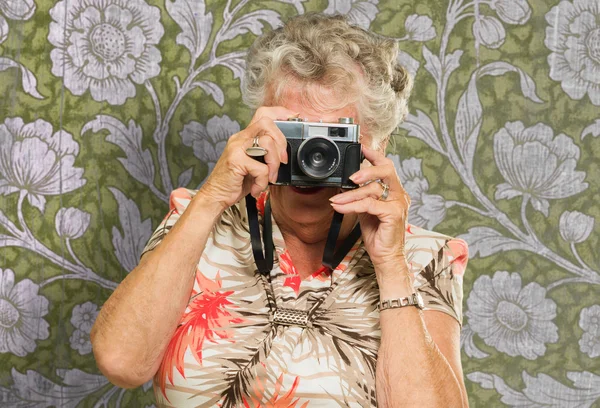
(135, 325)
(414, 368)
(419, 360)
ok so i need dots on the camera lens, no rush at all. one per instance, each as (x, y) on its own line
(318, 157)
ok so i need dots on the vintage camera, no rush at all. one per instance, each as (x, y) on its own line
(320, 154)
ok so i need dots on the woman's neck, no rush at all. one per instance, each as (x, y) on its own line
(306, 232)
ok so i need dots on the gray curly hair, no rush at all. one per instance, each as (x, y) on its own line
(319, 49)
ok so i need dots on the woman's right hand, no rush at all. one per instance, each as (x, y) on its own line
(236, 174)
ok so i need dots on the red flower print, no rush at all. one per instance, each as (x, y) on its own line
(261, 202)
(205, 318)
(459, 255)
(287, 267)
(294, 280)
(286, 401)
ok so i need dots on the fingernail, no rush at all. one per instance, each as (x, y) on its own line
(334, 199)
(354, 177)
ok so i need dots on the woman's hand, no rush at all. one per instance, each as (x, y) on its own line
(236, 174)
(383, 222)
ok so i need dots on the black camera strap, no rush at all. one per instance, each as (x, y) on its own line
(332, 259)
(264, 260)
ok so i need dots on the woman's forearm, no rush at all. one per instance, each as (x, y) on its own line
(136, 323)
(411, 371)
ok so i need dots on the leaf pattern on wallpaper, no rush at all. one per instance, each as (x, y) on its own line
(484, 241)
(138, 162)
(129, 244)
(543, 391)
(421, 127)
(211, 89)
(469, 116)
(236, 64)
(593, 130)
(28, 80)
(468, 345)
(195, 24)
(33, 390)
(253, 22)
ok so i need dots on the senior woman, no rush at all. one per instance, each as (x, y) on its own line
(196, 315)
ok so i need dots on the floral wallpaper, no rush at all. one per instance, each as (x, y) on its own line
(108, 105)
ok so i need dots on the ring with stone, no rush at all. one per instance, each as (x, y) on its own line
(386, 190)
(255, 150)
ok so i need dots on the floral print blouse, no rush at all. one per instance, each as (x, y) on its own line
(229, 351)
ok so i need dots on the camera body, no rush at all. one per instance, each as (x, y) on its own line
(320, 154)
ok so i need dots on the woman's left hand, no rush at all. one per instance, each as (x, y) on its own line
(383, 222)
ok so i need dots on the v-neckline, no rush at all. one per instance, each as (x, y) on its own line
(289, 290)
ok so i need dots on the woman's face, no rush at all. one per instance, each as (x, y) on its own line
(313, 202)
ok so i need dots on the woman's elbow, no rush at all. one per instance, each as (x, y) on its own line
(118, 370)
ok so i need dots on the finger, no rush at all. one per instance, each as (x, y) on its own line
(376, 157)
(258, 174)
(273, 113)
(385, 172)
(272, 157)
(271, 129)
(366, 205)
(372, 190)
(266, 127)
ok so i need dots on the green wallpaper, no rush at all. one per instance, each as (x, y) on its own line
(107, 105)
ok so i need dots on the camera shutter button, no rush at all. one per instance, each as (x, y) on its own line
(346, 121)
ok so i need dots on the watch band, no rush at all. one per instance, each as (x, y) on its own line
(413, 300)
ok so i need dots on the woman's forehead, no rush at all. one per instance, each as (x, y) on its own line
(315, 102)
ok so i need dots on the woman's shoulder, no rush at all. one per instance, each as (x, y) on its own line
(424, 247)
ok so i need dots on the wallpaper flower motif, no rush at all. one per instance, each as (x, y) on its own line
(84, 316)
(105, 47)
(80, 341)
(575, 227)
(22, 313)
(37, 162)
(512, 11)
(209, 141)
(419, 28)
(71, 223)
(489, 31)
(515, 320)
(554, 176)
(360, 12)
(573, 34)
(14, 10)
(426, 210)
(589, 321)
